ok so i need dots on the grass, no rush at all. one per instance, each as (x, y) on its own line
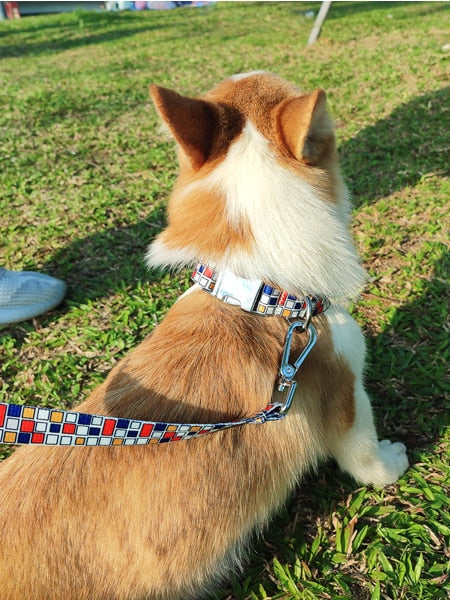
(84, 179)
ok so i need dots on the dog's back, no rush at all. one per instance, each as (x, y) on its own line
(158, 521)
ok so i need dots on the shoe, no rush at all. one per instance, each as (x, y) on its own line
(25, 294)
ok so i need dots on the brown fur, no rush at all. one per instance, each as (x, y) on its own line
(142, 522)
(163, 522)
(185, 212)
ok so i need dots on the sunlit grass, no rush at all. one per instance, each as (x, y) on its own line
(85, 174)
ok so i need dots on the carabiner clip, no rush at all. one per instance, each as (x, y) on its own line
(288, 370)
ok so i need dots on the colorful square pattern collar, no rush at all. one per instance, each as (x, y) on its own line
(255, 296)
(53, 427)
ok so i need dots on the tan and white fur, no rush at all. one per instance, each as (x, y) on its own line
(259, 193)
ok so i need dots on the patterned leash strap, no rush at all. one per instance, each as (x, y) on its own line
(33, 425)
(54, 427)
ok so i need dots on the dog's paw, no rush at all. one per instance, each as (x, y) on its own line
(393, 460)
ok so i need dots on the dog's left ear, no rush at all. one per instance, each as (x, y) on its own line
(191, 121)
(305, 126)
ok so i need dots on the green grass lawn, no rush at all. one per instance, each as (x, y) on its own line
(84, 178)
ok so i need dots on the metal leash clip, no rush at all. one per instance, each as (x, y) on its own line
(287, 370)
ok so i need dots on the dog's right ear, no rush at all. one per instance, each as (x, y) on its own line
(306, 127)
(192, 122)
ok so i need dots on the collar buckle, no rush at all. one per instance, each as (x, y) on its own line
(237, 291)
(256, 296)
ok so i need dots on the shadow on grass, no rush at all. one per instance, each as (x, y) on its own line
(103, 263)
(408, 365)
(82, 28)
(75, 30)
(397, 151)
(61, 44)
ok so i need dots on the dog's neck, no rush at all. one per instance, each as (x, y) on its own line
(255, 296)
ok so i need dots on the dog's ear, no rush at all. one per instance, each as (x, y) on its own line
(305, 126)
(192, 122)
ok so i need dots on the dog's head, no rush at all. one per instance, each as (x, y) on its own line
(259, 190)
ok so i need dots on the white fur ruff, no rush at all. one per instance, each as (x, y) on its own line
(301, 241)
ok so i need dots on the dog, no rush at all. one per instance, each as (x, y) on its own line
(259, 198)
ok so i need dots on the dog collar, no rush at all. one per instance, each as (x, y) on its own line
(255, 296)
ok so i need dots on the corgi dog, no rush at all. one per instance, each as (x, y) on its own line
(261, 208)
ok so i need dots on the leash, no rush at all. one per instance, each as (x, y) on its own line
(20, 424)
(53, 427)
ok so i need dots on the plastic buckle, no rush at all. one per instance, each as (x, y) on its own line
(236, 290)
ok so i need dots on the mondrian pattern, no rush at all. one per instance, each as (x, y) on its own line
(279, 303)
(270, 301)
(53, 427)
(205, 276)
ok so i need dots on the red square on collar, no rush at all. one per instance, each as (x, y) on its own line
(27, 426)
(283, 298)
